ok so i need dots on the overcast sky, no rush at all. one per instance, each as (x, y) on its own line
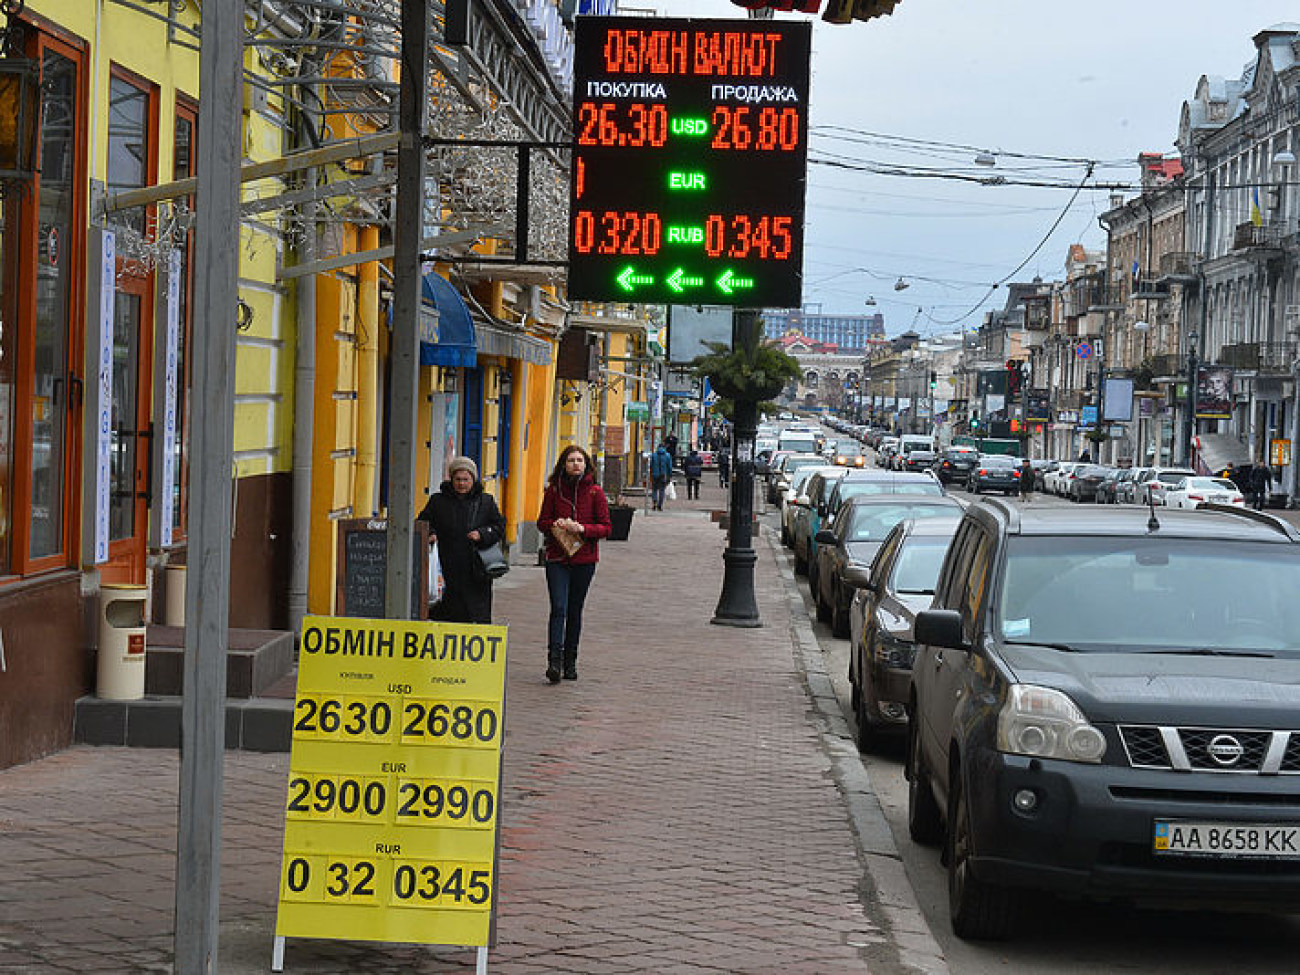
(1101, 81)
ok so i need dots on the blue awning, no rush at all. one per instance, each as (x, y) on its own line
(452, 342)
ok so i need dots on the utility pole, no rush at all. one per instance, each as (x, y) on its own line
(405, 352)
(736, 605)
(207, 601)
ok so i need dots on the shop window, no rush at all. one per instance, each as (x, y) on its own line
(183, 148)
(42, 257)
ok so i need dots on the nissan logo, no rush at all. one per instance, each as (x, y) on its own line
(1225, 749)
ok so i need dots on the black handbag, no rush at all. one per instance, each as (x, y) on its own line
(491, 560)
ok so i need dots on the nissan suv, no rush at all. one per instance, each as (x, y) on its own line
(1105, 702)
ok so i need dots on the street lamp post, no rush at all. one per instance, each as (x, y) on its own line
(1189, 424)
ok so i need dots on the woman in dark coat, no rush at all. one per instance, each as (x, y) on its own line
(574, 502)
(463, 517)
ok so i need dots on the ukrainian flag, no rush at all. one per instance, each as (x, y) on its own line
(1256, 215)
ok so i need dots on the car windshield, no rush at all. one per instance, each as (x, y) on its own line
(872, 522)
(919, 560)
(888, 485)
(1147, 594)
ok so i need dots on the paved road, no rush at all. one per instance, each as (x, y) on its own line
(1061, 937)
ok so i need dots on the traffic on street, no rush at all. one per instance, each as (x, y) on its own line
(1074, 711)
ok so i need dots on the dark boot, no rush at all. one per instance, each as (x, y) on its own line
(554, 658)
(571, 664)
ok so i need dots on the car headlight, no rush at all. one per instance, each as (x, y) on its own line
(1044, 723)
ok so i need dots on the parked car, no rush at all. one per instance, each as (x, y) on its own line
(796, 499)
(881, 482)
(1126, 488)
(955, 463)
(806, 522)
(900, 585)
(1106, 490)
(1095, 712)
(1085, 481)
(1156, 481)
(1192, 492)
(846, 548)
(994, 472)
(783, 470)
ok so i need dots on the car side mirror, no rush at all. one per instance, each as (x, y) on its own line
(939, 628)
(825, 537)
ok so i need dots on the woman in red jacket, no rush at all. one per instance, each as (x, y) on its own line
(574, 503)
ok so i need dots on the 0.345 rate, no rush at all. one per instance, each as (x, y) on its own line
(631, 233)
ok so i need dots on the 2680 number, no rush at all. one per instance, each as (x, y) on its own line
(448, 725)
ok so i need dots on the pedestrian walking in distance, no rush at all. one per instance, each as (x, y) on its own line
(575, 504)
(724, 468)
(463, 517)
(1261, 482)
(661, 472)
(1026, 480)
(693, 468)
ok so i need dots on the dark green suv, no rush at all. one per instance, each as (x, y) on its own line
(1106, 702)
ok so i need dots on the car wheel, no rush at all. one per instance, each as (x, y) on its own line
(785, 536)
(924, 823)
(864, 712)
(823, 611)
(800, 565)
(978, 910)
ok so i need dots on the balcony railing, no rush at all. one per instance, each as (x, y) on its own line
(1274, 357)
(1247, 236)
(1178, 263)
(1146, 288)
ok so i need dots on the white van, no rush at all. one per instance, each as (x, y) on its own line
(914, 441)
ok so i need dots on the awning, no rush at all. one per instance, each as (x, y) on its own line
(453, 337)
(511, 344)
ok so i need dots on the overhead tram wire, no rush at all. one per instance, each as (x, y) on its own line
(1032, 254)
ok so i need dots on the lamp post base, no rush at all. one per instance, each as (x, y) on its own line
(736, 604)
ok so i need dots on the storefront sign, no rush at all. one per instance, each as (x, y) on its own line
(391, 815)
(104, 380)
(638, 412)
(170, 422)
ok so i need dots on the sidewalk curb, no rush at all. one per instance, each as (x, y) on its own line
(911, 945)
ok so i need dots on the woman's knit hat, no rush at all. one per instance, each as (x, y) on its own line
(462, 464)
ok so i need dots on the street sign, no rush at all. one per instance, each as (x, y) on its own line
(391, 815)
(689, 161)
(1083, 350)
(1279, 452)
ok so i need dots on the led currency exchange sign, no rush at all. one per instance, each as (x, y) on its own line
(689, 155)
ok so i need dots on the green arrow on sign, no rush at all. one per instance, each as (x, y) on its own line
(679, 280)
(729, 282)
(628, 279)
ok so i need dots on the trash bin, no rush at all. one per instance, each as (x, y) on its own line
(620, 520)
(174, 602)
(119, 671)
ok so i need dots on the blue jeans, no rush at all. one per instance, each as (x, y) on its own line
(567, 585)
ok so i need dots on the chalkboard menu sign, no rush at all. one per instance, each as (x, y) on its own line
(363, 568)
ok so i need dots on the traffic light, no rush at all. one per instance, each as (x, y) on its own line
(1013, 378)
(974, 423)
(934, 379)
